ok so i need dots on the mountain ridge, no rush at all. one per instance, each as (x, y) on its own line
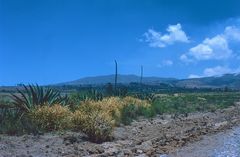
(226, 80)
(123, 79)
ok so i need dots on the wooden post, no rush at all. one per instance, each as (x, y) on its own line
(116, 73)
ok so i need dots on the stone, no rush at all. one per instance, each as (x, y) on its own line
(142, 155)
(139, 151)
(120, 133)
(127, 152)
(220, 125)
(145, 146)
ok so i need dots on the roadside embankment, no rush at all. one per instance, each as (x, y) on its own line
(145, 137)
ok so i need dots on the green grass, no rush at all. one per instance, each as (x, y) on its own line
(132, 112)
(185, 103)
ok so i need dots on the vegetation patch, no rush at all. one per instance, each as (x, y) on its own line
(194, 102)
(97, 125)
(35, 108)
(51, 118)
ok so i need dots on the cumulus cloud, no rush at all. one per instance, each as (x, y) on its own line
(216, 47)
(232, 33)
(165, 63)
(185, 58)
(175, 34)
(215, 71)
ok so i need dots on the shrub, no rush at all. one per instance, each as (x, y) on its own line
(110, 106)
(128, 113)
(75, 99)
(113, 106)
(78, 119)
(11, 127)
(133, 108)
(34, 96)
(132, 111)
(9, 123)
(97, 125)
(138, 102)
(147, 111)
(50, 118)
(97, 118)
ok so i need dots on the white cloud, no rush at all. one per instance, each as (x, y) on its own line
(165, 63)
(175, 34)
(216, 48)
(215, 71)
(185, 58)
(193, 76)
(232, 33)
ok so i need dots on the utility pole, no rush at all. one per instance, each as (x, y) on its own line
(141, 79)
(116, 73)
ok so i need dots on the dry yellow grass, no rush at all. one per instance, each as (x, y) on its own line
(112, 106)
(51, 118)
(98, 125)
(95, 118)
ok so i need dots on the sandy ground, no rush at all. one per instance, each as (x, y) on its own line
(165, 134)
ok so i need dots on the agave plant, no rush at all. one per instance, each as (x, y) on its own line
(35, 95)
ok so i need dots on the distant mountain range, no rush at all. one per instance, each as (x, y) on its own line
(229, 80)
(123, 79)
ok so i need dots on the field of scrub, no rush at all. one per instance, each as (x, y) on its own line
(38, 110)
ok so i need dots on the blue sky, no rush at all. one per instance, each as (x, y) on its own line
(52, 41)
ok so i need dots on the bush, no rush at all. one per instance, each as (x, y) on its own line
(75, 99)
(193, 102)
(128, 113)
(51, 118)
(97, 125)
(147, 112)
(132, 111)
(10, 124)
(134, 108)
(110, 106)
(113, 106)
(34, 96)
(138, 102)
